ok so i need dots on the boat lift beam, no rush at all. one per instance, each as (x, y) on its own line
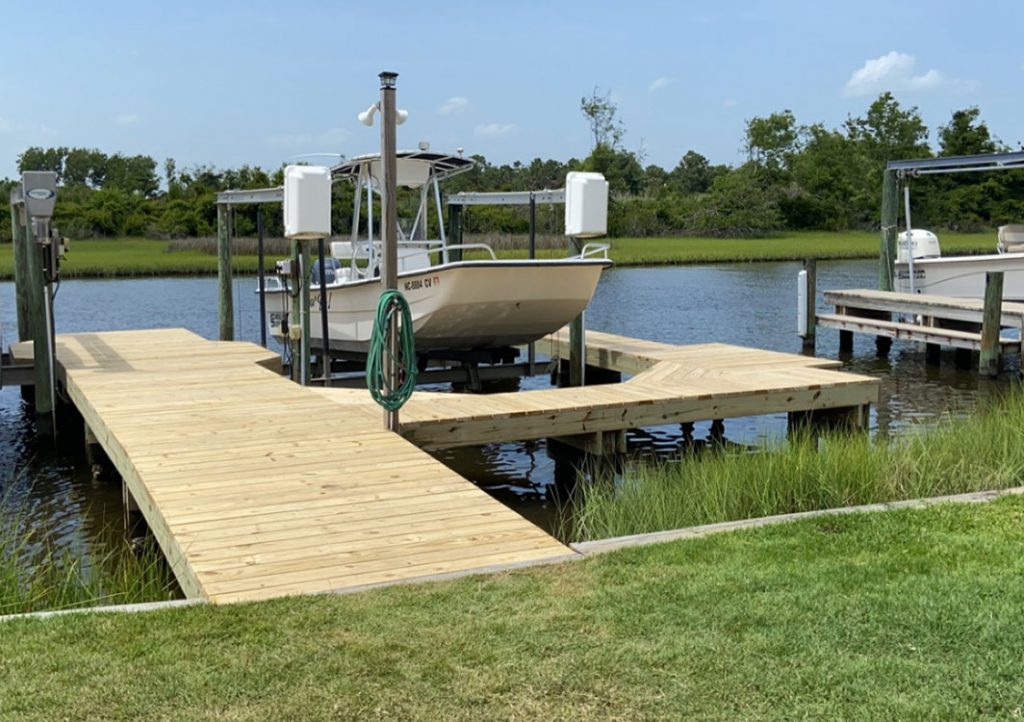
(257, 195)
(958, 164)
(511, 198)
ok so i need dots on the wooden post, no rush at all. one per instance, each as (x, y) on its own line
(811, 308)
(455, 231)
(325, 337)
(261, 272)
(21, 280)
(38, 324)
(304, 350)
(890, 212)
(991, 359)
(295, 313)
(577, 352)
(887, 254)
(227, 306)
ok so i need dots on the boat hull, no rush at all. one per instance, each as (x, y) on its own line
(465, 305)
(963, 276)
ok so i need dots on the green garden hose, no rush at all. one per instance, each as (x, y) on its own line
(392, 399)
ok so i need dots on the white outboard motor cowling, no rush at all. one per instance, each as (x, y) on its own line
(924, 244)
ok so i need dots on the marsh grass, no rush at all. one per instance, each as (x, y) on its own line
(125, 257)
(976, 453)
(277, 247)
(35, 574)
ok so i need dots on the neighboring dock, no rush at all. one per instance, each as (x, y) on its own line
(965, 324)
(257, 487)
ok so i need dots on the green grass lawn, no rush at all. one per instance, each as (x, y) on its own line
(146, 257)
(904, 615)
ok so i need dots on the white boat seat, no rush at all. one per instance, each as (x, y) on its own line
(413, 259)
(1011, 238)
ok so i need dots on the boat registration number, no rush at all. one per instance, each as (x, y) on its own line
(419, 283)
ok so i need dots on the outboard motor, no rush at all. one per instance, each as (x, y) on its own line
(924, 244)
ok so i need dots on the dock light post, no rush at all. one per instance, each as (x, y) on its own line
(389, 222)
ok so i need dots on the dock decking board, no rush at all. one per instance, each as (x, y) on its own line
(256, 487)
(672, 384)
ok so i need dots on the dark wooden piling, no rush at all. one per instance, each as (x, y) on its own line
(226, 301)
(577, 352)
(990, 361)
(21, 282)
(455, 231)
(887, 251)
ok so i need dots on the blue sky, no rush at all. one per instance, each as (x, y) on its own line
(227, 83)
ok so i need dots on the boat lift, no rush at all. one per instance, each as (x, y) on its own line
(904, 170)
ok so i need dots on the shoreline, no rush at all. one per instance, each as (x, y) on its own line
(119, 258)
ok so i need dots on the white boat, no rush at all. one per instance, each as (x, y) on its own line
(961, 276)
(455, 304)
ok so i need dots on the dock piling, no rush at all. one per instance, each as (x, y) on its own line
(577, 351)
(990, 360)
(890, 211)
(810, 304)
(227, 307)
(21, 281)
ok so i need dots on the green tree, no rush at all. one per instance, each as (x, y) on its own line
(964, 134)
(620, 168)
(739, 203)
(888, 132)
(36, 158)
(600, 110)
(773, 141)
(694, 173)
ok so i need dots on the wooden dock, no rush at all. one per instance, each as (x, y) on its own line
(937, 321)
(670, 385)
(256, 487)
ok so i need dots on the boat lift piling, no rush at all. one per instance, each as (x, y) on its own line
(38, 249)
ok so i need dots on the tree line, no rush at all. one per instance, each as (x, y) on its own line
(795, 177)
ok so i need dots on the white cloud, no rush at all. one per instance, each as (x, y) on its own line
(453, 105)
(331, 137)
(495, 130)
(659, 84)
(126, 119)
(893, 71)
(5, 125)
(730, 103)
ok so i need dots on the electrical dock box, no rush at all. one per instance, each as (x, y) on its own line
(307, 202)
(586, 205)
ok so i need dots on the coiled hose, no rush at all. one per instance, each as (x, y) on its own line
(391, 303)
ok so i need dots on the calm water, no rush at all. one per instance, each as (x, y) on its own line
(744, 304)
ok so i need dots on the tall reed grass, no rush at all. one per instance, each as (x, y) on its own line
(272, 247)
(35, 574)
(981, 452)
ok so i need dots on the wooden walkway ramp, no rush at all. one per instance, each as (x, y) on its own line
(672, 384)
(256, 487)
